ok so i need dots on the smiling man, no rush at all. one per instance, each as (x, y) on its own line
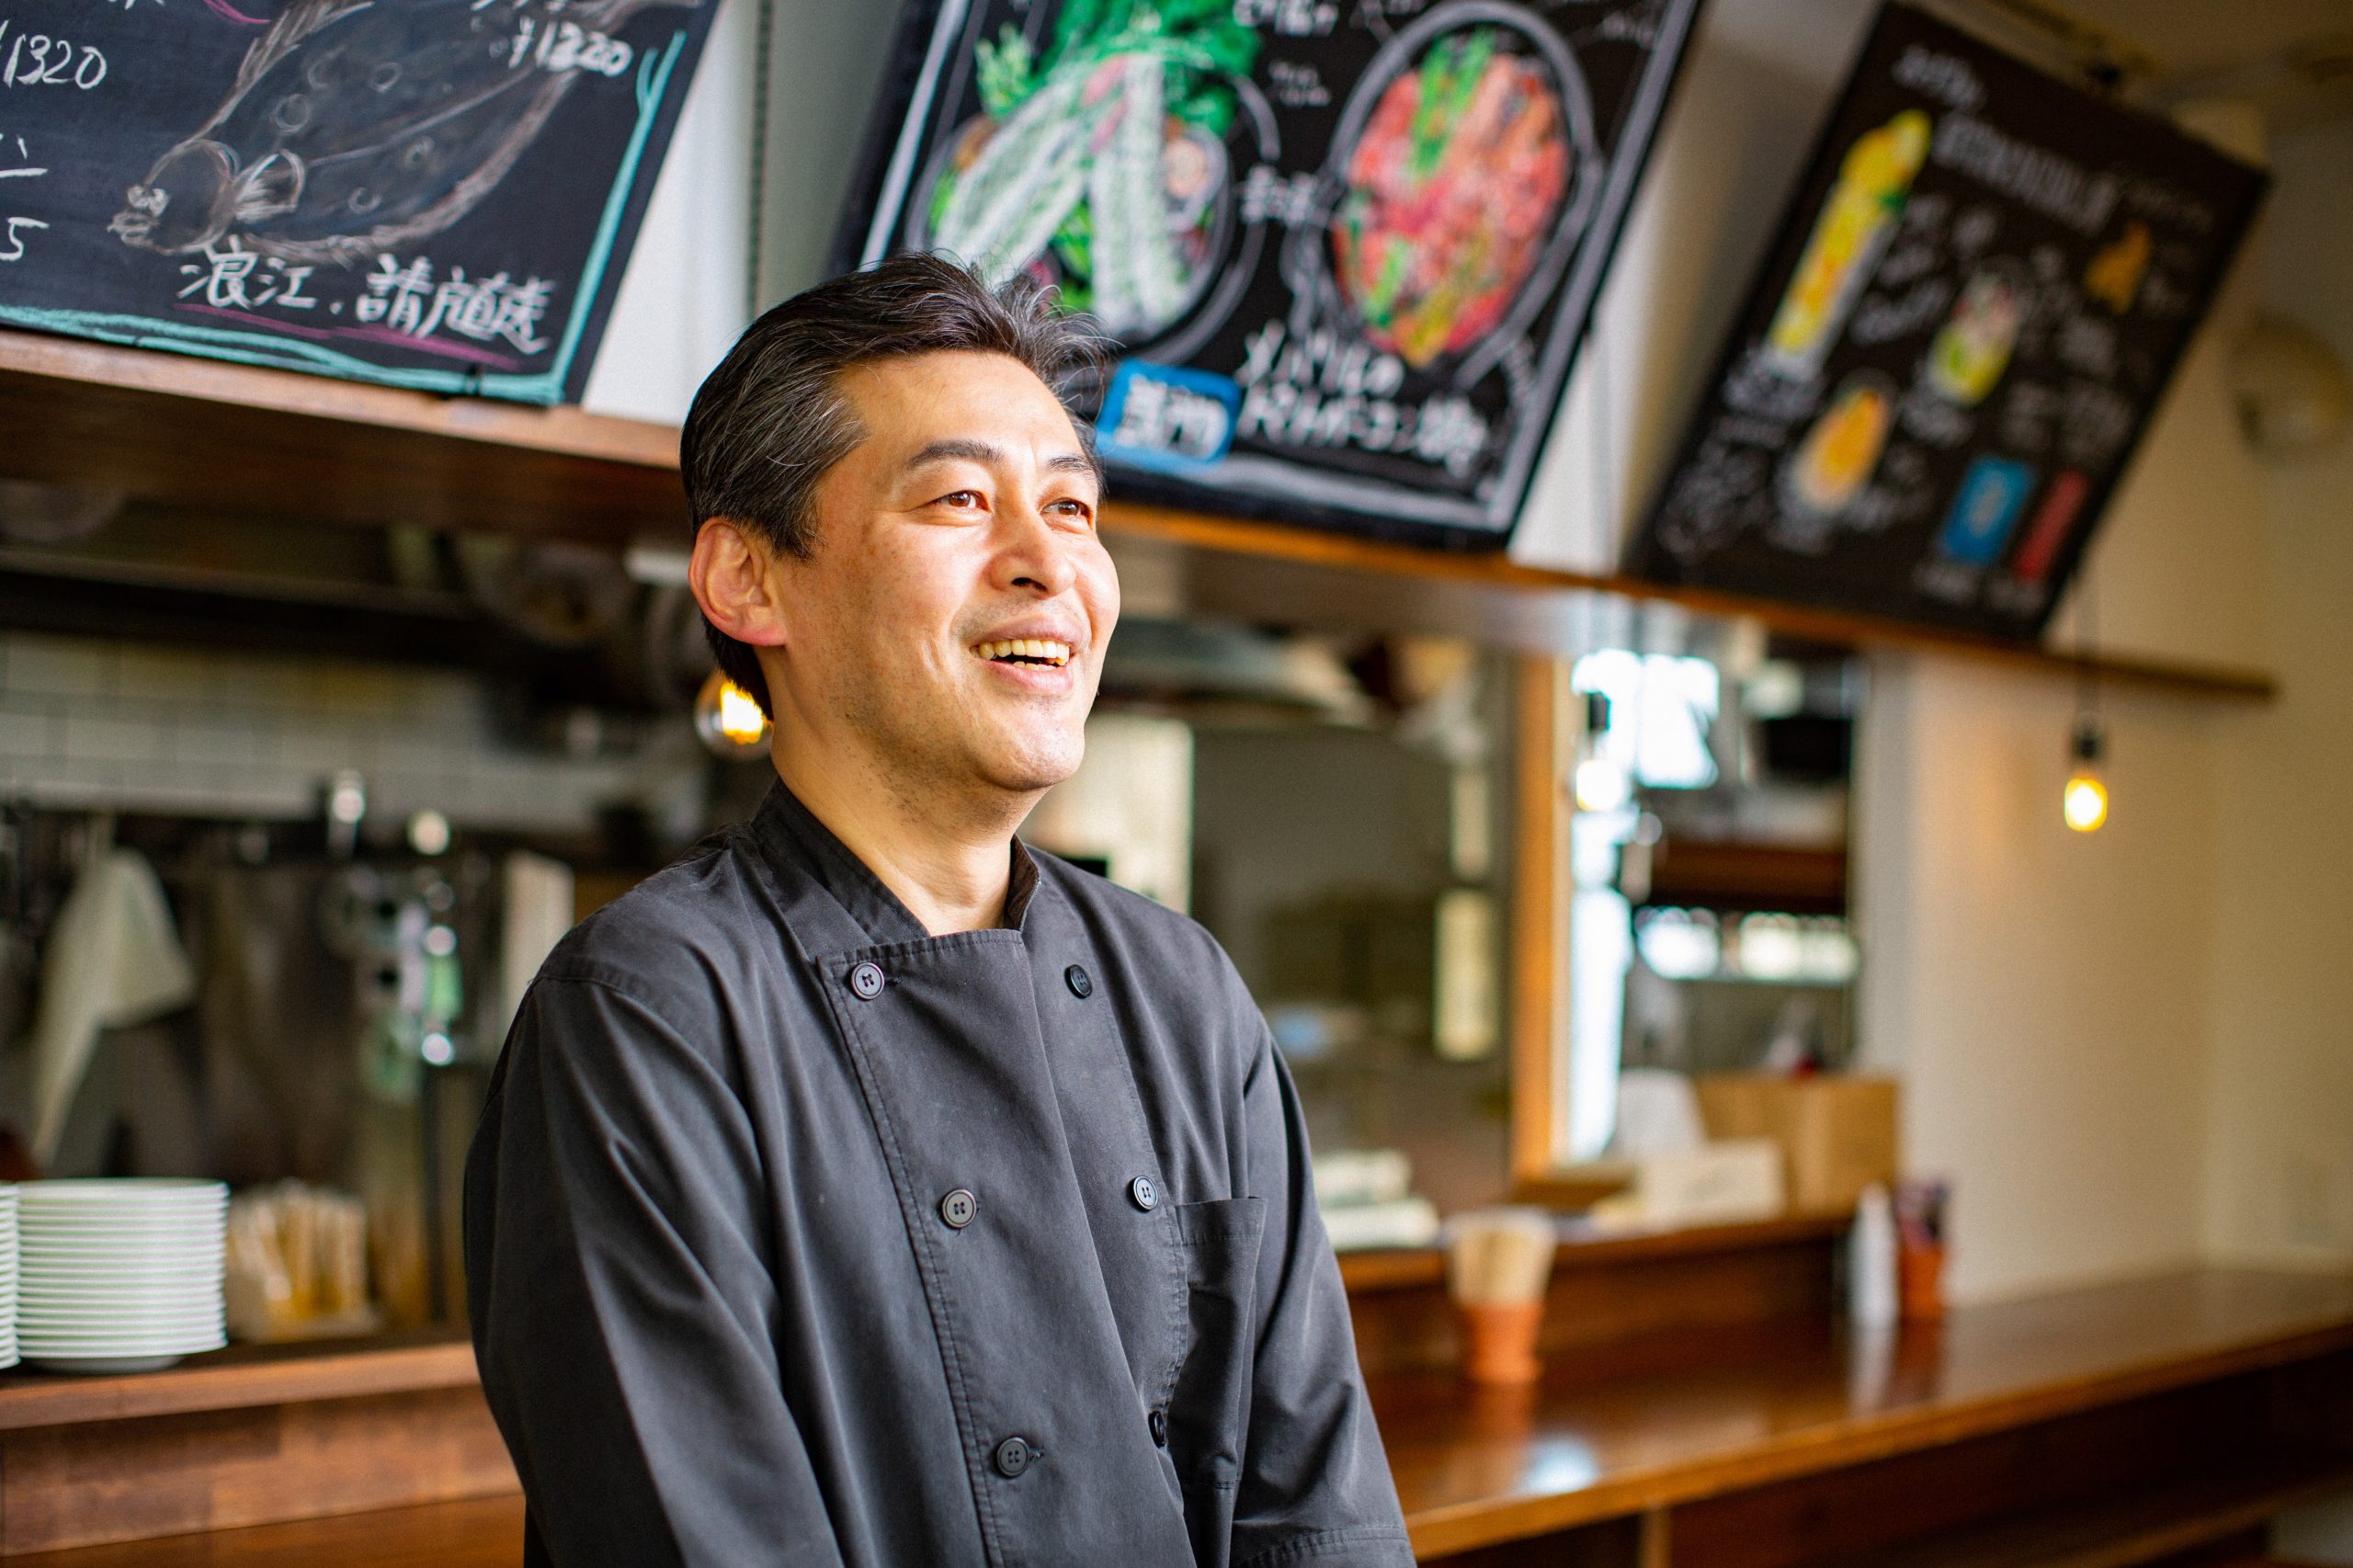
(866, 1188)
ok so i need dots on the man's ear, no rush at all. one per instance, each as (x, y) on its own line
(732, 575)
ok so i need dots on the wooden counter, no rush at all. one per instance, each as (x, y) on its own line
(2096, 1428)
(1744, 1410)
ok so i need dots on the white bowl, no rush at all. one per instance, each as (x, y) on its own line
(113, 1281)
(116, 1357)
(47, 1222)
(197, 1288)
(109, 1361)
(120, 1266)
(140, 1332)
(120, 1189)
(127, 1301)
(107, 1270)
(143, 1342)
(35, 1260)
(63, 1226)
(32, 1346)
(86, 1249)
(121, 1334)
(127, 1234)
(103, 1288)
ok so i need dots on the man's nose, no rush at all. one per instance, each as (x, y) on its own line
(1033, 555)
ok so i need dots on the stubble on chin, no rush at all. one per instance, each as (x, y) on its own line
(956, 749)
(1028, 762)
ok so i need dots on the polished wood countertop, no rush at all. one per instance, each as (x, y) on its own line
(1743, 1408)
(1654, 1426)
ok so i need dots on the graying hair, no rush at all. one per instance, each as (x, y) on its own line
(771, 419)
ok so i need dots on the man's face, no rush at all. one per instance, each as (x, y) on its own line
(953, 613)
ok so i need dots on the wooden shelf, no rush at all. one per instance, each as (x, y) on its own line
(206, 434)
(1411, 1267)
(243, 1377)
(230, 438)
(1257, 568)
(1698, 873)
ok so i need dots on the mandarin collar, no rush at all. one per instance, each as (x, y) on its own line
(791, 832)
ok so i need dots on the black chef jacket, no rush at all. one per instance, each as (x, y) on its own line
(796, 1235)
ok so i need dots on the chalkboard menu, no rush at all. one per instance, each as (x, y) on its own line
(438, 194)
(1986, 278)
(1349, 250)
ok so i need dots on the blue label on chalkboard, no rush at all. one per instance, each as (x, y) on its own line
(1167, 417)
(1993, 494)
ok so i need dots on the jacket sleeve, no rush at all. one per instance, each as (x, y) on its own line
(622, 1299)
(1316, 1485)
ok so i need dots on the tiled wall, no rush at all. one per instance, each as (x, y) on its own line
(126, 726)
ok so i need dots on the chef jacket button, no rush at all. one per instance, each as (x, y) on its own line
(958, 1209)
(1157, 1423)
(1013, 1457)
(1082, 984)
(867, 980)
(1145, 1195)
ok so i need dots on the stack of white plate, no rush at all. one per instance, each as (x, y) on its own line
(120, 1276)
(8, 1274)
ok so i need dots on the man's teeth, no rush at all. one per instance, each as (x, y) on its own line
(1028, 650)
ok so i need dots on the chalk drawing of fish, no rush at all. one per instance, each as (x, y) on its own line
(362, 126)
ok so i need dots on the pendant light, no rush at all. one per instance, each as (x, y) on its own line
(2082, 804)
(2085, 801)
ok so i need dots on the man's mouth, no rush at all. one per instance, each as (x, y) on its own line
(1046, 650)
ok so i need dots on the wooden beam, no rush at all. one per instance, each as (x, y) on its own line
(216, 437)
(201, 433)
(1495, 580)
(1536, 988)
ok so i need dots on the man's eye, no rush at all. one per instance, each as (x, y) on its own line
(1073, 508)
(961, 498)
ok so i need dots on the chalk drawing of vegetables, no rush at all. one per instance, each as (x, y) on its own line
(1450, 195)
(361, 126)
(1099, 162)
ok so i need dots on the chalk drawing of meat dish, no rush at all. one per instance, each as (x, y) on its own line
(361, 126)
(1451, 194)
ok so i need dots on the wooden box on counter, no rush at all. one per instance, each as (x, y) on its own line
(1838, 1132)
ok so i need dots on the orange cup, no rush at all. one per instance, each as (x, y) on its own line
(1920, 1283)
(1499, 1342)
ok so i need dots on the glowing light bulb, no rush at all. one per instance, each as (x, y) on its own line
(2085, 800)
(1601, 785)
(2085, 803)
(729, 720)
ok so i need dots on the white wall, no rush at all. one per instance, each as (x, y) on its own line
(2279, 1183)
(2043, 993)
(682, 299)
(2138, 1048)
(687, 292)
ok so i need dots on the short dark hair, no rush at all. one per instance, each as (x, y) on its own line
(771, 419)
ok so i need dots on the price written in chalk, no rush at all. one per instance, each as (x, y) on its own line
(38, 59)
(15, 164)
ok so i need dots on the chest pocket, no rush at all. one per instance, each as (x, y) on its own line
(1208, 1406)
